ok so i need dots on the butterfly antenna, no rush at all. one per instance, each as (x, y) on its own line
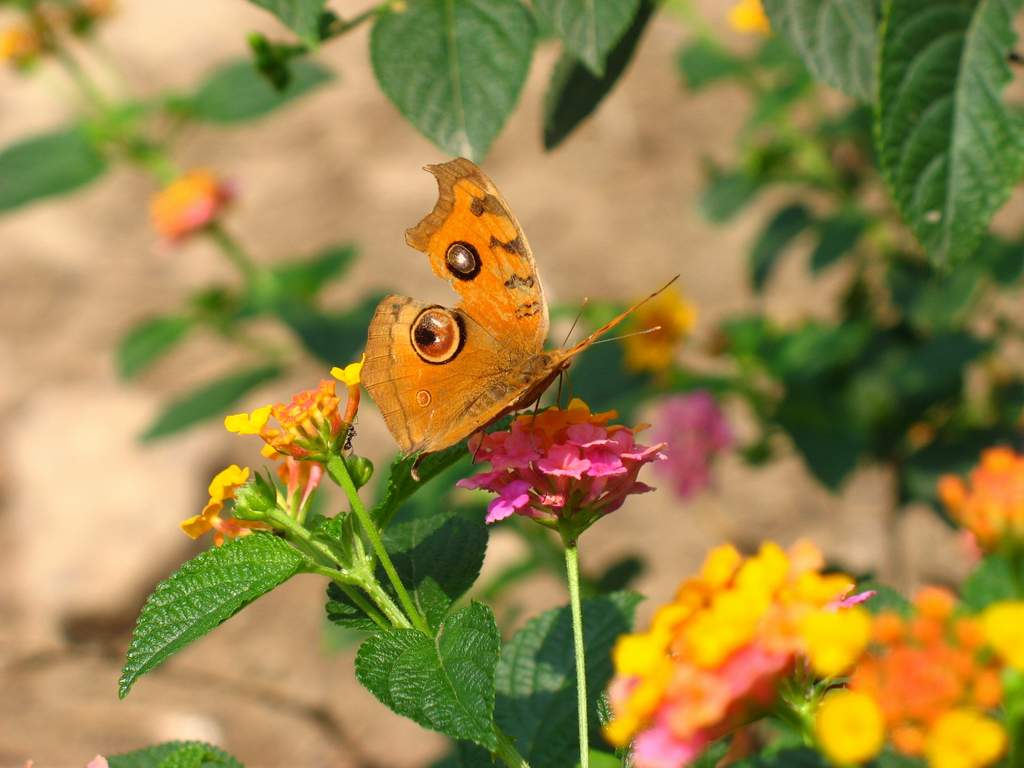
(479, 443)
(579, 314)
(627, 335)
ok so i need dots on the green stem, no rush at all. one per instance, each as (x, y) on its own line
(572, 569)
(233, 250)
(507, 751)
(353, 594)
(339, 473)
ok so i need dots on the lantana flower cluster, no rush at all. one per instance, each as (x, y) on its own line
(695, 431)
(715, 656)
(990, 505)
(300, 435)
(748, 16)
(189, 204)
(561, 465)
(929, 684)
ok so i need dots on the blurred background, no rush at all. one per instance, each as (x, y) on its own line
(89, 515)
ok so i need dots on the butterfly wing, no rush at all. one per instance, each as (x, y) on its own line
(475, 243)
(430, 401)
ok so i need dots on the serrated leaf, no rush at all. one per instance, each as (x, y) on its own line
(783, 228)
(589, 29)
(236, 92)
(334, 338)
(454, 68)
(704, 62)
(934, 300)
(301, 16)
(209, 400)
(995, 578)
(445, 683)
(148, 341)
(836, 38)
(536, 678)
(175, 754)
(438, 552)
(206, 591)
(47, 165)
(575, 92)
(949, 148)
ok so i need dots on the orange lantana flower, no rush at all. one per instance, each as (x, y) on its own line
(188, 204)
(991, 503)
(222, 488)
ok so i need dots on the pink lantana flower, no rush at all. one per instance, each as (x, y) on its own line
(695, 430)
(564, 466)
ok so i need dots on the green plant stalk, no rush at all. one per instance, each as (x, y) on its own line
(572, 570)
(353, 595)
(318, 551)
(233, 250)
(339, 473)
(507, 752)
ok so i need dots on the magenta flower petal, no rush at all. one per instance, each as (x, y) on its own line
(586, 435)
(848, 601)
(564, 460)
(514, 497)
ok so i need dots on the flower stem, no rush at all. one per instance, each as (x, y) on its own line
(507, 751)
(339, 473)
(572, 569)
(233, 250)
(353, 594)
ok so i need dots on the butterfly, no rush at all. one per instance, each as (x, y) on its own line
(439, 374)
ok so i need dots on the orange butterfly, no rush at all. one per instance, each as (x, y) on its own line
(437, 374)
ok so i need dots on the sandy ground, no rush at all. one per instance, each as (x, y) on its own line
(88, 518)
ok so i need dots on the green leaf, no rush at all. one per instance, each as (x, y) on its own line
(603, 760)
(822, 431)
(148, 341)
(575, 92)
(438, 552)
(401, 484)
(836, 38)
(704, 62)
(713, 754)
(205, 592)
(996, 578)
(445, 683)
(536, 678)
(933, 300)
(454, 68)
(837, 236)
(726, 194)
(175, 754)
(236, 92)
(305, 278)
(784, 227)
(588, 29)
(209, 400)
(949, 148)
(301, 16)
(47, 165)
(334, 338)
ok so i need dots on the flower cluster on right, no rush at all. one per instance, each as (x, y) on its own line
(937, 681)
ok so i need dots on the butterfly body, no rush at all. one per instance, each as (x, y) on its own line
(439, 374)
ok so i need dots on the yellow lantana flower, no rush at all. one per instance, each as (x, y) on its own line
(19, 44)
(835, 639)
(673, 316)
(248, 423)
(349, 375)
(849, 727)
(748, 16)
(963, 738)
(1003, 625)
(222, 488)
